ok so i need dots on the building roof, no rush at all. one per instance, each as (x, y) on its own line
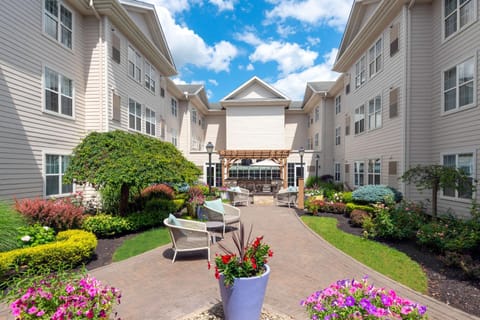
(321, 86)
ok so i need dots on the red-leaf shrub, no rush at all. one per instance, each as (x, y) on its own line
(357, 216)
(59, 214)
(158, 190)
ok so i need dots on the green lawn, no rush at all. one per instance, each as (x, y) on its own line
(386, 260)
(143, 242)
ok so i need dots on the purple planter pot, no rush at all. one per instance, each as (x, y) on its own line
(244, 299)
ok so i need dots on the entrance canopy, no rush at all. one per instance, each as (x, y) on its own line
(274, 158)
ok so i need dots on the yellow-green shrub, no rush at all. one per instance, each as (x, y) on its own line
(70, 249)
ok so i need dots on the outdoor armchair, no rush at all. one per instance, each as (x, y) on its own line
(216, 210)
(238, 195)
(286, 196)
(187, 235)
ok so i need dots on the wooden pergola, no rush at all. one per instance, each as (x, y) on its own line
(229, 157)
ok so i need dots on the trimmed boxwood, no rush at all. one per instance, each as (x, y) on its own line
(71, 248)
(352, 206)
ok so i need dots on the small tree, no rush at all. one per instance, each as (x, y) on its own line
(127, 162)
(436, 177)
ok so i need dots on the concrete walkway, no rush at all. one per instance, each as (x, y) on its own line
(154, 288)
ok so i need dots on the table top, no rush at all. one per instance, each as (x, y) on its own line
(213, 224)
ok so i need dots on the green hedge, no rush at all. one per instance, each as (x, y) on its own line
(352, 206)
(71, 248)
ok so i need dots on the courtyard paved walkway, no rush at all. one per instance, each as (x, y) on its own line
(154, 288)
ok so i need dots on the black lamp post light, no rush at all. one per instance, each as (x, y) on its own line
(209, 148)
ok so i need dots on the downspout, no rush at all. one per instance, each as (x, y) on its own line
(105, 72)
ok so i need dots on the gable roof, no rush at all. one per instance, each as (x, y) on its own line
(313, 88)
(255, 90)
(195, 90)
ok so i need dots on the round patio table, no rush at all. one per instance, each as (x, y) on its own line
(213, 226)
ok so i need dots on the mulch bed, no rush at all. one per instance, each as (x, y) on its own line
(448, 285)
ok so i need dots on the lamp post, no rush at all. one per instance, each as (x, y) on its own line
(209, 148)
(316, 168)
(301, 152)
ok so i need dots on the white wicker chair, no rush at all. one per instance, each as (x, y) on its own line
(241, 196)
(286, 197)
(188, 236)
(231, 215)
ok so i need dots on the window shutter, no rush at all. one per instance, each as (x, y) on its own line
(116, 112)
(392, 168)
(347, 125)
(162, 92)
(394, 30)
(393, 103)
(347, 168)
(115, 48)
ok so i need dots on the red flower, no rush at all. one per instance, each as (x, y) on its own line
(257, 242)
(209, 266)
(226, 258)
(270, 253)
(217, 274)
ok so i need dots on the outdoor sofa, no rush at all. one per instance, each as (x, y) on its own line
(216, 210)
(287, 196)
(238, 195)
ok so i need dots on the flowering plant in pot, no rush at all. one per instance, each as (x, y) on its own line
(352, 299)
(243, 275)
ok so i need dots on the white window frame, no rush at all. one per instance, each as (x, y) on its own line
(473, 82)
(134, 61)
(372, 173)
(60, 174)
(338, 132)
(317, 114)
(60, 93)
(137, 117)
(375, 113)
(60, 25)
(150, 122)
(358, 117)
(337, 173)
(174, 107)
(317, 138)
(359, 175)
(456, 11)
(173, 133)
(360, 72)
(194, 116)
(150, 77)
(338, 104)
(472, 173)
(375, 55)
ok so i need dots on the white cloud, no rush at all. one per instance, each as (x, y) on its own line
(293, 84)
(313, 41)
(213, 81)
(173, 6)
(328, 12)
(289, 56)
(222, 5)
(250, 67)
(187, 47)
(248, 37)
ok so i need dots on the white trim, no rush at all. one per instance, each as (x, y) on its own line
(364, 56)
(128, 115)
(139, 56)
(335, 171)
(56, 152)
(367, 111)
(459, 29)
(381, 56)
(43, 98)
(359, 175)
(154, 121)
(456, 152)
(57, 40)
(364, 120)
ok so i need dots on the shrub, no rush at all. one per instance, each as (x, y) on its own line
(161, 191)
(357, 217)
(397, 195)
(31, 236)
(314, 204)
(196, 195)
(107, 225)
(60, 214)
(180, 187)
(372, 194)
(349, 207)
(144, 220)
(347, 196)
(71, 248)
(10, 221)
(155, 204)
(62, 295)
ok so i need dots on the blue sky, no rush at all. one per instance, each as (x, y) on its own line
(223, 43)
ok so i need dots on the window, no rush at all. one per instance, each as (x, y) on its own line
(375, 113)
(393, 103)
(317, 114)
(194, 116)
(360, 72)
(55, 167)
(360, 119)
(458, 86)
(174, 136)
(58, 93)
(173, 103)
(134, 64)
(162, 92)
(373, 171)
(358, 173)
(150, 77)
(457, 15)
(116, 107)
(134, 115)
(394, 31)
(58, 22)
(316, 139)
(115, 48)
(375, 58)
(308, 122)
(150, 122)
(337, 176)
(163, 128)
(204, 123)
(461, 161)
(338, 131)
(195, 143)
(338, 104)
(347, 125)
(309, 144)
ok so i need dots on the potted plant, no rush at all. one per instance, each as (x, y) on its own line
(243, 276)
(195, 201)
